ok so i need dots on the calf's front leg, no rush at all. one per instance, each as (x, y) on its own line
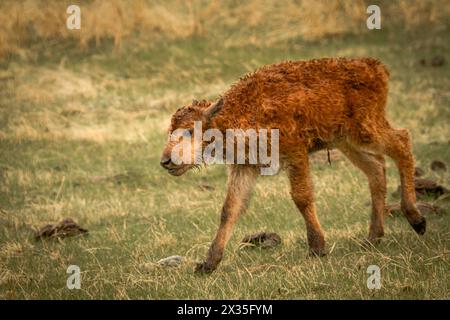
(241, 180)
(303, 196)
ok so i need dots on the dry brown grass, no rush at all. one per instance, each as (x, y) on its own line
(27, 20)
(81, 118)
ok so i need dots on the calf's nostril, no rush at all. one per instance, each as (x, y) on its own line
(165, 161)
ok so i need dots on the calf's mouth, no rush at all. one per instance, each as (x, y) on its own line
(178, 170)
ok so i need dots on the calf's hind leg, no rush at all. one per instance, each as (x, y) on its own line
(396, 143)
(398, 146)
(373, 167)
(241, 180)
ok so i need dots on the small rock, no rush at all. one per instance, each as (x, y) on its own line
(65, 228)
(438, 165)
(263, 239)
(418, 172)
(171, 261)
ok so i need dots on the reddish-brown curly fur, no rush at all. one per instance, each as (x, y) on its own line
(324, 103)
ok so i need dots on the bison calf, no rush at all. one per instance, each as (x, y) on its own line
(317, 104)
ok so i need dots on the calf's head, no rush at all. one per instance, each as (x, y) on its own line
(181, 153)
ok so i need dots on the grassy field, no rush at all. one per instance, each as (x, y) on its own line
(81, 134)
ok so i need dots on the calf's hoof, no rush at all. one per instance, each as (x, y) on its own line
(204, 268)
(373, 239)
(415, 219)
(419, 226)
(370, 242)
(317, 253)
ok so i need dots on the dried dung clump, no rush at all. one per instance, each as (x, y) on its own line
(424, 207)
(418, 172)
(263, 239)
(426, 188)
(66, 228)
(438, 165)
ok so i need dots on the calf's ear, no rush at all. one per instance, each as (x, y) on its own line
(213, 109)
